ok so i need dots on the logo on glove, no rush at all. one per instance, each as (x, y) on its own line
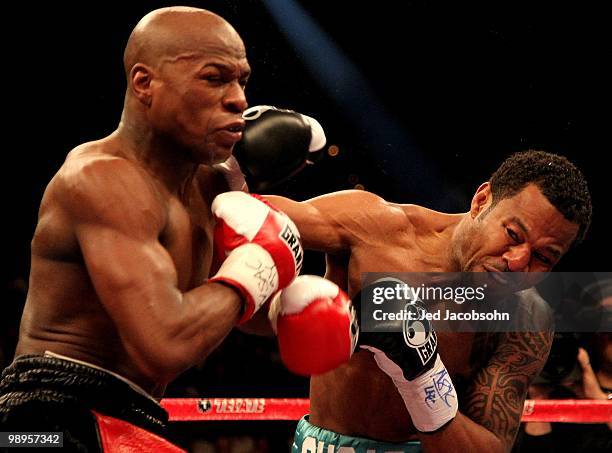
(418, 333)
(292, 241)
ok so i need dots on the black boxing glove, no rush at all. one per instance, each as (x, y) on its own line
(406, 350)
(276, 144)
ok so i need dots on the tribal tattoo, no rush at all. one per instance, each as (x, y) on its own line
(497, 394)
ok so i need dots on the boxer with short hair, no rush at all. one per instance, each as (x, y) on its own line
(119, 301)
(534, 208)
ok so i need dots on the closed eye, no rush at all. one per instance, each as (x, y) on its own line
(512, 234)
(542, 258)
(212, 78)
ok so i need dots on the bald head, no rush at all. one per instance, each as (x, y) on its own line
(167, 34)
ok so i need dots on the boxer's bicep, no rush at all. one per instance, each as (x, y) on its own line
(131, 276)
(336, 221)
(496, 397)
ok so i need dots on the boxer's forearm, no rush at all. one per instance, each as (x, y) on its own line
(462, 434)
(166, 337)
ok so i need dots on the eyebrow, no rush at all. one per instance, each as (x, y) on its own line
(520, 223)
(523, 227)
(227, 68)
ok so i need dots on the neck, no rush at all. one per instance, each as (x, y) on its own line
(162, 158)
(438, 230)
(457, 243)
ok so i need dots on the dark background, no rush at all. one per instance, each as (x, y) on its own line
(424, 99)
(442, 94)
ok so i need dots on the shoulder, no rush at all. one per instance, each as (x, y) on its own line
(359, 205)
(94, 185)
(533, 324)
(532, 333)
(533, 313)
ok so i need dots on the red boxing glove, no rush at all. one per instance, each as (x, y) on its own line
(315, 324)
(259, 245)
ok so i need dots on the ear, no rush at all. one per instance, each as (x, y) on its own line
(139, 82)
(481, 200)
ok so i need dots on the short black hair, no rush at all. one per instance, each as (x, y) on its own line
(557, 178)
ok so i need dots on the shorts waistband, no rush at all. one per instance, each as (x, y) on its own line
(309, 436)
(63, 381)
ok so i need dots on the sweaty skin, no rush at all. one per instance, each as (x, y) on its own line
(360, 232)
(122, 247)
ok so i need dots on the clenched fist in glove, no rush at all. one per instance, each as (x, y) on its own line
(315, 325)
(408, 354)
(259, 247)
(276, 144)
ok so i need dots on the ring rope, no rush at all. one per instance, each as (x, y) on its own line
(202, 409)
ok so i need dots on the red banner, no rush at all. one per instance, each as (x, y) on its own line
(193, 409)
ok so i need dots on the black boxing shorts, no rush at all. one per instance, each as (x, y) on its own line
(50, 394)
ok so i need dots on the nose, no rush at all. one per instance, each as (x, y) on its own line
(517, 258)
(235, 98)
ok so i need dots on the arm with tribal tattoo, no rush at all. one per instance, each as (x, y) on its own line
(490, 413)
(496, 397)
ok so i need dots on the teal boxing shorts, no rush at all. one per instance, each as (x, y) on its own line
(312, 439)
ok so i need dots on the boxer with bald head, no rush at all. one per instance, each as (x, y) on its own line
(119, 302)
(534, 208)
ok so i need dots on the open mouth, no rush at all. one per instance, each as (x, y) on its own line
(236, 128)
(231, 134)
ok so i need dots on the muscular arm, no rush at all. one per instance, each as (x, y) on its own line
(118, 217)
(491, 413)
(332, 223)
(329, 223)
